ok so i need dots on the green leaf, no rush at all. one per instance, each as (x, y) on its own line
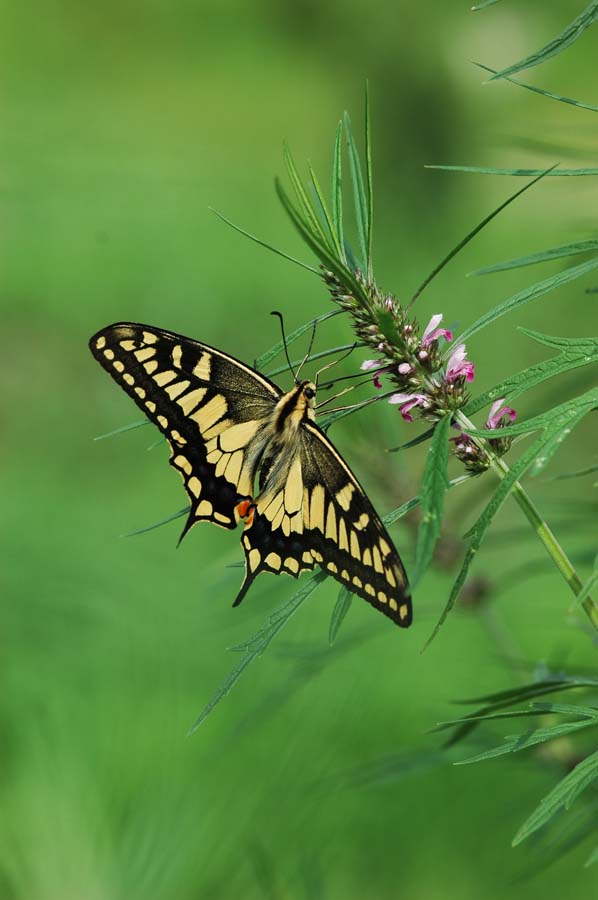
(542, 256)
(337, 190)
(309, 214)
(278, 348)
(122, 430)
(398, 513)
(556, 425)
(515, 742)
(587, 588)
(530, 690)
(537, 90)
(592, 858)
(526, 173)
(321, 250)
(434, 487)
(483, 5)
(468, 237)
(560, 797)
(324, 208)
(341, 608)
(270, 247)
(259, 642)
(574, 352)
(420, 439)
(370, 182)
(182, 512)
(527, 295)
(359, 195)
(589, 470)
(567, 37)
(322, 354)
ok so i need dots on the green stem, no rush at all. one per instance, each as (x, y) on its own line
(540, 526)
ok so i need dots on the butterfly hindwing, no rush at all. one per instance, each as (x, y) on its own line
(211, 408)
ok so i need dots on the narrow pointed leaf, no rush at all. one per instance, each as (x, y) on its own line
(574, 353)
(278, 348)
(525, 173)
(561, 797)
(359, 196)
(337, 190)
(515, 742)
(370, 182)
(341, 608)
(483, 4)
(533, 259)
(259, 642)
(170, 518)
(324, 208)
(265, 244)
(544, 93)
(527, 295)
(563, 40)
(468, 237)
(434, 487)
(122, 429)
(308, 212)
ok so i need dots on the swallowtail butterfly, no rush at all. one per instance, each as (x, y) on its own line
(229, 427)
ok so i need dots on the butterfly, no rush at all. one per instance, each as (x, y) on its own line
(228, 427)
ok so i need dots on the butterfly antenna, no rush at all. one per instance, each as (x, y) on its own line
(284, 341)
(346, 390)
(334, 362)
(309, 349)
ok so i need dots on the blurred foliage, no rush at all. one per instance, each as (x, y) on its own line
(122, 123)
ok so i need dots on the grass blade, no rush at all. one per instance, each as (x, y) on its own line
(563, 40)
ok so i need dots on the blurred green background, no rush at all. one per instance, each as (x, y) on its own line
(316, 778)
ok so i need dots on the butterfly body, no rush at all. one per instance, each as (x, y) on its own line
(249, 452)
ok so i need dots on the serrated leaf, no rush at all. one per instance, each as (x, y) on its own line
(544, 93)
(359, 195)
(560, 797)
(341, 608)
(563, 40)
(527, 295)
(434, 486)
(533, 259)
(259, 642)
(515, 742)
(575, 352)
(556, 425)
(520, 173)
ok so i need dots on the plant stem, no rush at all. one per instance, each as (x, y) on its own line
(540, 526)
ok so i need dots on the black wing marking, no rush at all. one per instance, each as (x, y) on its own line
(211, 408)
(320, 514)
(345, 533)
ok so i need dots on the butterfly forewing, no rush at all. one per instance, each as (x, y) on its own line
(225, 423)
(211, 408)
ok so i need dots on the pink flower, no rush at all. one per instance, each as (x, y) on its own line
(409, 402)
(458, 365)
(379, 365)
(405, 368)
(433, 332)
(497, 414)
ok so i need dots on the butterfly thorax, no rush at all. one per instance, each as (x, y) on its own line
(281, 434)
(295, 407)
